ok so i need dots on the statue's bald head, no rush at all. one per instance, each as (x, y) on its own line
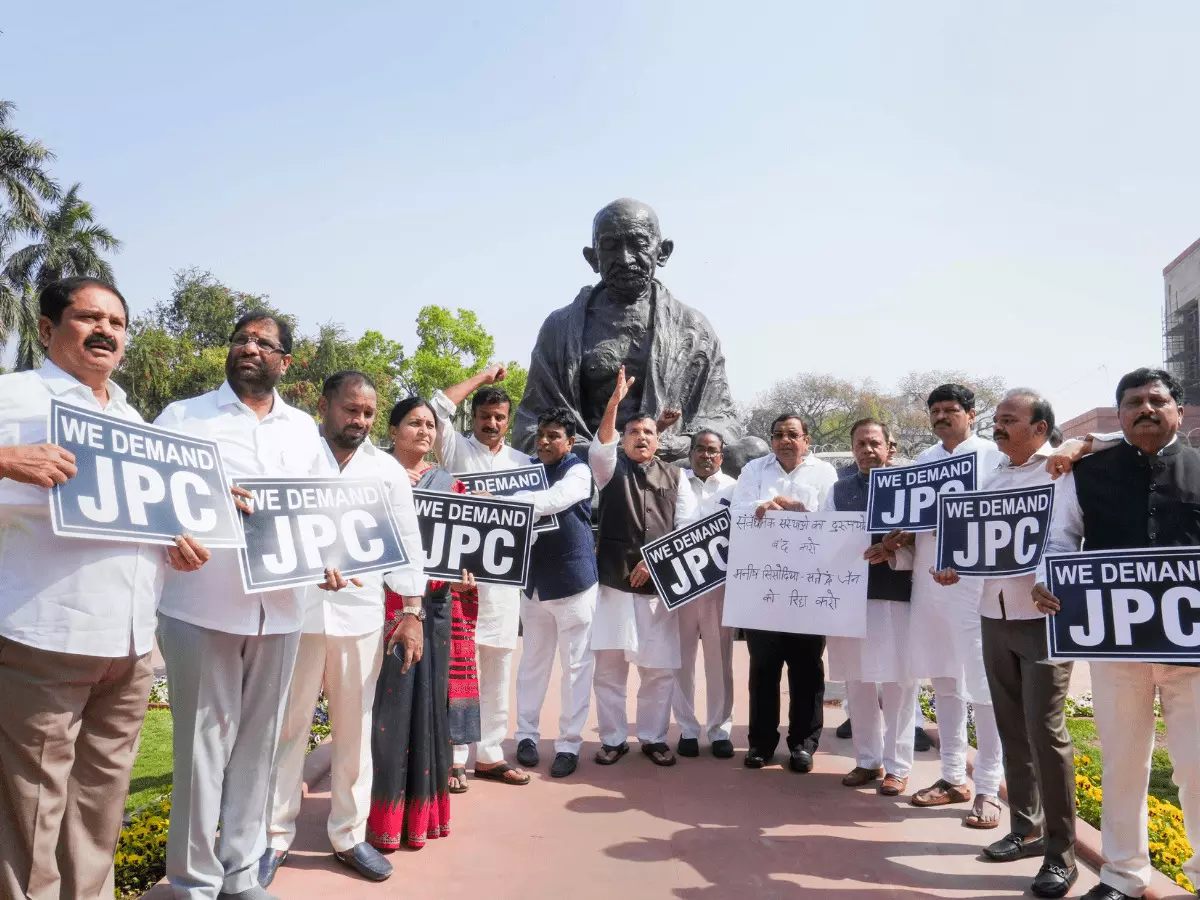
(627, 248)
(623, 212)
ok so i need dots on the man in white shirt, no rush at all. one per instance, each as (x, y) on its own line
(700, 620)
(499, 606)
(230, 654)
(945, 638)
(76, 617)
(341, 649)
(788, 478)
(1028, 691)
(641, 499)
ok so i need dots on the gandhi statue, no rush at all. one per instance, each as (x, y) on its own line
(631, 319)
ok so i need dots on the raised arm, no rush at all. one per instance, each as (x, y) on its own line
(607, 432)
(447, 444)
(457, 393)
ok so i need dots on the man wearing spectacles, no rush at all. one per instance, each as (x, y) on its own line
(229, 654)
(790, 478)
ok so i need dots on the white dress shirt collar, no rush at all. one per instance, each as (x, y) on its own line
(60, 382)
(227, 396)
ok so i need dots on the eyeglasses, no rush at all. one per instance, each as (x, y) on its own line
(787, 436)
(242, 341)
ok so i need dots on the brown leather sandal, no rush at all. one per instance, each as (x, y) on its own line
(942, 793)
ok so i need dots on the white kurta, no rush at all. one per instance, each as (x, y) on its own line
(883, 654)
(639, 624)
(499, 606)
(945, 640)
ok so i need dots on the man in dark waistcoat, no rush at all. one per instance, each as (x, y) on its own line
(1142, 493)
(560, 601)
(641, 499)
(876, 667)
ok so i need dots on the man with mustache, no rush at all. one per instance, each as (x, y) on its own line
(1027, 690)
(76, 617)
(876, 667)
(672, 356)
(946, 643)
(1141, 493)
(229, 654)
(641, 499)
(790, 478)
(485, 450)
(700, 620)
(342, 646)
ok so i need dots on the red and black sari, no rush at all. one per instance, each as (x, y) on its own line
(419, 715)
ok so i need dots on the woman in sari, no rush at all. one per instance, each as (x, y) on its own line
(423, 708)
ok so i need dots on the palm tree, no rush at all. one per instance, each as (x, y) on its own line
(23, 177)
(67, 242)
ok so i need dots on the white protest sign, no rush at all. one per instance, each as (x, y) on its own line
(798, 572)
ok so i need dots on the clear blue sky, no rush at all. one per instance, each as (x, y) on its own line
(858, 188)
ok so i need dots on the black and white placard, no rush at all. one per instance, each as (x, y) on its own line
(504, 482)
(689, 561)
(994, 534)
(905, 497)
(488, 536)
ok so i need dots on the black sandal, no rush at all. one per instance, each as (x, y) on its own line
(459, 773)
(602, 757)
(664, 758)
(497, 773)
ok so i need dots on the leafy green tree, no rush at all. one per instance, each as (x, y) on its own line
(24, 181)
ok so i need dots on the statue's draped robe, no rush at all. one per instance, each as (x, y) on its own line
(686, 371)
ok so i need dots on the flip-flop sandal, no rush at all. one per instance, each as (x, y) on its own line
(974, 819)
(660, 754)
(941, 793)
(602, 755)
(459, 773)
(497, 773)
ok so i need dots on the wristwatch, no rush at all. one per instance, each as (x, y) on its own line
(417, 611)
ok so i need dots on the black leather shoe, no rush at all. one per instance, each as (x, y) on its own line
(564, 764)
(366, 861)
(527, 753)
(756, 760)
(921, 740)
(269, 864)
(845, 731)
(1104, 892)
(1054, 880)
(1014, 846)
(688, 747)
(722, 749)
(801, 760)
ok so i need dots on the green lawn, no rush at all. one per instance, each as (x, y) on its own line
(1087, 742)
(152, 769)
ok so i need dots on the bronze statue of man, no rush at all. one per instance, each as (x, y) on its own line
(631, 319)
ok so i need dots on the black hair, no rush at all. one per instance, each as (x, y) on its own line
(702, 432)
(953, 393)
(871, 420)
(1142, 377)
(58, 295)
(1042, 410)
(559, 415)
(262, 315)
(1056, 437)
(639, 417)
(784, 416)
(488, 396)
(403, 407)
(334, 382)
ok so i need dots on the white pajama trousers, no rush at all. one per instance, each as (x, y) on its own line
(654, 694)
(1123, 697)
(494, 665)
(563, 625)
(700, 622)
(347, 668)
(883, 737)
(951, 710)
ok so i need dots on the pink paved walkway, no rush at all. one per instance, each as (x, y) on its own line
(706, 829)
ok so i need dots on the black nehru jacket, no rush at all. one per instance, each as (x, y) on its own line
(1130, 500)
(636, 507)
(883, 582)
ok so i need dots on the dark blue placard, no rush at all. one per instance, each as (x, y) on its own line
(1130, 605)
(994, 534)
(488, 536)
(905, 497)
(689, 561)
(138, 483)
(302, 526)
(504, 482)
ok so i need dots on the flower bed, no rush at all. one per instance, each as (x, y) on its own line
(141, 856)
